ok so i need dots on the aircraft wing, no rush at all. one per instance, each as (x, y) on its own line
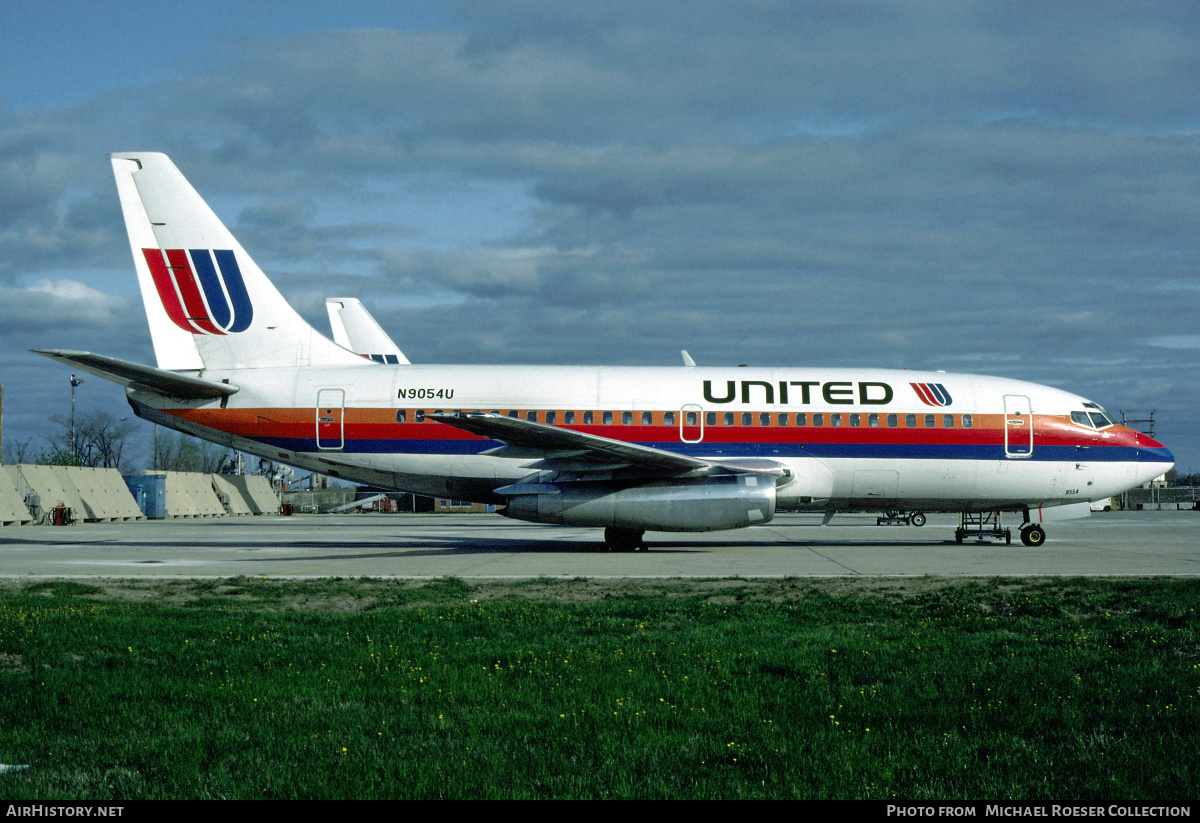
(563, 446)
(139, 377)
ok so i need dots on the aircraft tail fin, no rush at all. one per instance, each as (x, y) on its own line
(355, 329)
(208, 304)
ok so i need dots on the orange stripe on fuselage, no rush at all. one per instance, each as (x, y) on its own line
(380, 423)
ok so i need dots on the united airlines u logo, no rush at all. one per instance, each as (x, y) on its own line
(932, 394)
(201, 289)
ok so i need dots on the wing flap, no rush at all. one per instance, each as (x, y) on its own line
(554, 442)
(568, 450)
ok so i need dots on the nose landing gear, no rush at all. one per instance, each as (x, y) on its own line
(1033, 534)
(987, 524)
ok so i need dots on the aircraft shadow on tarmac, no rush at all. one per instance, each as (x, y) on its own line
(398, 547)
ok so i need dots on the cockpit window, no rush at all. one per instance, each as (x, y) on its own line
(1081, 418)
(1099, 417)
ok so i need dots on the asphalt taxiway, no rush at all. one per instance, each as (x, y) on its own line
(1163, 543)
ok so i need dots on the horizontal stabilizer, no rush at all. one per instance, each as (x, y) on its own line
(139, 377)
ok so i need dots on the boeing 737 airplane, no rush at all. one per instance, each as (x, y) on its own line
(629, 450)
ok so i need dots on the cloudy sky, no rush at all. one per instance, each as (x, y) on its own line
(1004, 188)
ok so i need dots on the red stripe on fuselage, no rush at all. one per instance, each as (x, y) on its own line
(379, 424)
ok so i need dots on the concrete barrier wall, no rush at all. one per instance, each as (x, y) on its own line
(103, 493)
(255, 492)
(91, 494)
(28, 492)
(12, 505)
(189, 494)
(230, 495)
(43, 489)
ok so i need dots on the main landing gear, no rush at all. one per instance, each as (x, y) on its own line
(901, 518)
(624, 540)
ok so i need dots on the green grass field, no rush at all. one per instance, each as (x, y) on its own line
(917, 689)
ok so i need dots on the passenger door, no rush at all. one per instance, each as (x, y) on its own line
(1018, 426)
(330, 430)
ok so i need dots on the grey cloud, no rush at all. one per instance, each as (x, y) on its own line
(1011, 188)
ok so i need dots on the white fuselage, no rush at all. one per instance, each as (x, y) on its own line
(850, 438)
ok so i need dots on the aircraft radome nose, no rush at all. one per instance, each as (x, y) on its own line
(1155, 458)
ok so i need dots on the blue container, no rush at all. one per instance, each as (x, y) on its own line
(149, 489)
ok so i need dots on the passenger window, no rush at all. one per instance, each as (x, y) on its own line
(802, 419)
(966, 418)
(930, 421)
(782, 419)
(854, 420)
(419, 416)
(647, 418)
(606, 418)
(947, 421)
(710, 418)
(569, 418)
(514, 413)
(764, 419)
(835, 419)
(873, 421)
(589, 418)
(910, 420)
(531, 416)
(627, 418)
(669, 419)
(727, 419)
(551, 417)
(893, 421)
(747, 419)
(401, 415)
(692, 418)
(818, 419)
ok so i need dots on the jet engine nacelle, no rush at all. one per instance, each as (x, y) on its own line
(697, 505)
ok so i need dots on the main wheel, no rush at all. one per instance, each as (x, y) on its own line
(1033, 535)
(917, 519)
(623, 540)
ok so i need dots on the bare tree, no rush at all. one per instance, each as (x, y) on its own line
(100, 440)
(182, 453)
(19, 451)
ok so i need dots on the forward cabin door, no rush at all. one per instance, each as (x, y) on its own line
(1018, 426)
(330, 430)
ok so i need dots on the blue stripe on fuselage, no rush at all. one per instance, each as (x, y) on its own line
(895, 451)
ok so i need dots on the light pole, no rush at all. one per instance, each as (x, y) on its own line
(75, 381)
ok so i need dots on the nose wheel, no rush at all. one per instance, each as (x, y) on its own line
(1033, 535)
